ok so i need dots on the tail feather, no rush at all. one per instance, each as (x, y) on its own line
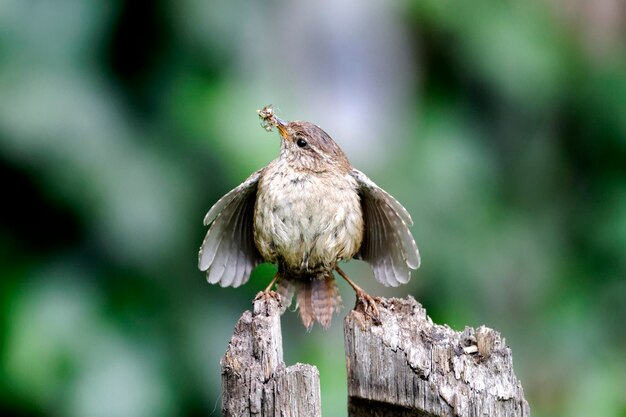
(325, 300)
(285, 288)
(304, 304)
(317, 298)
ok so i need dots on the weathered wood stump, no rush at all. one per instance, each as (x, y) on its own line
(255, 381)
(408, 366)
(404, 366)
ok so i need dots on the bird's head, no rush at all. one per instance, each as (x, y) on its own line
(306, 146)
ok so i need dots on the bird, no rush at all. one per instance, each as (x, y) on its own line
(305, 212)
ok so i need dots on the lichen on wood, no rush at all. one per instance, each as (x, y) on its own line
(404, 366)
(409, 366)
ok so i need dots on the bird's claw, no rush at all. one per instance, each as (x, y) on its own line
(367, 304)
(267, 303)
(267, 295)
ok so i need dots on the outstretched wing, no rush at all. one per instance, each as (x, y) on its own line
(228, 252)
(388, 245)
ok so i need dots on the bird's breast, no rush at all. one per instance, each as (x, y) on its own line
(307, 221)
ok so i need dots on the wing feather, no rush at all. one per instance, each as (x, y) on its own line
(244, 268)
(230, 248)
(388, 245)
(221, 204)
(228, 252)
(211, 245)
(397, 261)
(366, 183)
(382, 268)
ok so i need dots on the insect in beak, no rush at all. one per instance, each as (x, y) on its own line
(269, 121)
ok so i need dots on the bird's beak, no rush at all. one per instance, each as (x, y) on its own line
(282, 127)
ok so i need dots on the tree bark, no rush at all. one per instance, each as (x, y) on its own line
(408, 366)
(255, 381)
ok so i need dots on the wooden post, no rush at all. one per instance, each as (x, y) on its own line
(408, 366)
(255, 381)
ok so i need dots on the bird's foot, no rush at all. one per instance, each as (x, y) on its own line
(267, 303)
(267, 295)
(367, 304)
(364, 302)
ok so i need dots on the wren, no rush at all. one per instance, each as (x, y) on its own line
(306, 211)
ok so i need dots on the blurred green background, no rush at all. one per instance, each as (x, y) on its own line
(501, 125)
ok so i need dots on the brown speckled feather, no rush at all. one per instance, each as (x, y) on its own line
(325, 300)
(304, 291)
(318, 297)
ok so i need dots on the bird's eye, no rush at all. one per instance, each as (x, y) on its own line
(301, 142)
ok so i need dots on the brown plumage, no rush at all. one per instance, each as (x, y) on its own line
(325, 299)
(306, 211)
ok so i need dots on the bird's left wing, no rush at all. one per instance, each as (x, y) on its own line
(388, 245)
(228, 252)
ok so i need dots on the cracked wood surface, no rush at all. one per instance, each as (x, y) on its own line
(408, 366)
(255, 380)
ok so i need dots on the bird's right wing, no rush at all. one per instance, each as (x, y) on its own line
(388, 245)
(228, 252)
